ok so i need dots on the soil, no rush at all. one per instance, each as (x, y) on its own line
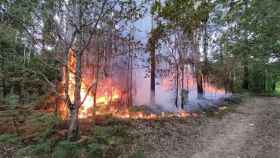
(251, 130)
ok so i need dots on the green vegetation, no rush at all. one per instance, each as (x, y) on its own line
(42, 139)
(232, 44)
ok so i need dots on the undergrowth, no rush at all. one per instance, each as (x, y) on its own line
(104, 141)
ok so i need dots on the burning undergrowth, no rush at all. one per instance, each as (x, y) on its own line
(111, 85)
(104, 93)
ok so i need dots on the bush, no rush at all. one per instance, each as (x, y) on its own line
(138, 154)
(66, 149)
(9, 139)
(11, 99)
(96, 150)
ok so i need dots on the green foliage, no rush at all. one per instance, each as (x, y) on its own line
(9, 139)
(252, 40)
(186, 14)
(156, 34)
(278, 87)
(66, 149)
(45, 124)
(138, 154)
(11, 99)
(110, 135)
(20, 66)
(108, 140)
(39, 150)
(96, 150)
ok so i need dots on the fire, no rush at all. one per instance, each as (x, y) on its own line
(107, 100)
(107, 94)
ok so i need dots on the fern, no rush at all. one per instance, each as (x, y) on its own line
(9, 139)
(66, 149)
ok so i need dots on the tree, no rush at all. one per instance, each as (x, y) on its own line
(190, 16)
(66, 28)
(250, 39)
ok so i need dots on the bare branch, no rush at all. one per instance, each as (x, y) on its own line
(95, 26)
(89, 89)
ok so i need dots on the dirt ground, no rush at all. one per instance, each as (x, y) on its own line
(252, 130)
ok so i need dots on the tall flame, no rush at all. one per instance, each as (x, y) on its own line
(106, 95)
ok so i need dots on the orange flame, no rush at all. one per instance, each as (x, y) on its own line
(106, 96)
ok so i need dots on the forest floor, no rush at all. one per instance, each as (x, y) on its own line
(250, 130)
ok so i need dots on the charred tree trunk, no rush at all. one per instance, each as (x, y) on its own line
(153, 76)
(129, 76)
(199, 83)
(182, 85)
(205, 51)
(245, 84)
(196, 64)
(177, 85)
(130, 101)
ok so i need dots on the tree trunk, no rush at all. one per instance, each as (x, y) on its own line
(153, 77)
(182, 85)
(205, 49)
(129, 76)
(195, 58)
(97, 68)
(73, 131)
(245, 84)
(177, 85)
(199, 82)
(4, 88)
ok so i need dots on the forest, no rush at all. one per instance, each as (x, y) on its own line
(139, 78)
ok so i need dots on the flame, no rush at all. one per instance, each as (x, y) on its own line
(107, 97)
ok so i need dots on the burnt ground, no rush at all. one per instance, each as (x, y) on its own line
(250, 130)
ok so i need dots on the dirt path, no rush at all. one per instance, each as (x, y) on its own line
(251, 131)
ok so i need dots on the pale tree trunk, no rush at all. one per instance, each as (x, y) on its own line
(73, 131)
